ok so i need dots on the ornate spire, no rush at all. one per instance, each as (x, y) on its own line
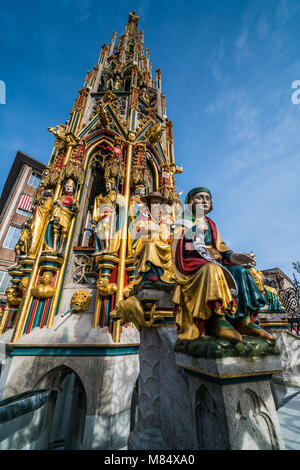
(116, 146)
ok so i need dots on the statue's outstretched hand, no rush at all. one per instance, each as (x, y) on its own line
(58, 203)
(242, 259)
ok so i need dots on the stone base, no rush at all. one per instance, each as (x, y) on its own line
(191, 403)
(164, 299)
(107, 384)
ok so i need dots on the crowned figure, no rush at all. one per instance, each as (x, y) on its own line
(62, 211)
(108, 219)
(152, 243)
(38, 221)
(23, 244)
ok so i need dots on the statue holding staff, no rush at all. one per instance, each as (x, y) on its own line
(62, 212)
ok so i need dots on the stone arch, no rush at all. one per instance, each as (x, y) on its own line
(93, 168)
(154, 167)
(69, 407)
(53, 377)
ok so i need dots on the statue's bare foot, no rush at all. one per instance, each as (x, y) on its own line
(247, 327)
(221, 328)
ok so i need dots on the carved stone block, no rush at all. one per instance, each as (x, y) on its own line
(188, 403)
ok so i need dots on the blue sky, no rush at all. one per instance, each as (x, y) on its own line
(227, 68)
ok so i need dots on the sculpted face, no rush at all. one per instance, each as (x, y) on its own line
(69, 187)
(201, 202)
(10, 294)
(110, 185)
(155, 207)
(81, 299)
(46, 279)
(102, 282)
(24, 283)
(141, 191)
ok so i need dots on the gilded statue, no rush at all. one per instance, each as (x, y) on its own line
(273, 302)
(59, 132)
(44, 289)
(117, 83)
(62, 212)
(37, 223)
(213, 282)
(140, 172)
(63, 138)
(131, 310)
(152, 243)
(24, 283)
(115, 168)
(137, 211)
(155, 133)
(13, 297)
(80, 301)
(32, 228)
(23, 245)
(102, 116)
(107, 220)
(104, 287)
(51, 175)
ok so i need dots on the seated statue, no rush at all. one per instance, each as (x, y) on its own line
(152, 244)
(273, 302)
(137, 210)
(213, 282)
(62, 212)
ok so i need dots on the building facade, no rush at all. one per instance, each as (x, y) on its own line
(15, 207)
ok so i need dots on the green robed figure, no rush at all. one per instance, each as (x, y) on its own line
(213, 282)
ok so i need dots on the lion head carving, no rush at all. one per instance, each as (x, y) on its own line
(81, 299)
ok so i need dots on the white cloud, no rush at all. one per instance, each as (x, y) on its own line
(242, 40)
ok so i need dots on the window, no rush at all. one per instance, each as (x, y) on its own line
(24, 204)
(12, 237)
(34, 180)
(23, 212)
(4, 281)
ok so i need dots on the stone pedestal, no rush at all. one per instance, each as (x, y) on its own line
(188, 403)
(147, 434)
